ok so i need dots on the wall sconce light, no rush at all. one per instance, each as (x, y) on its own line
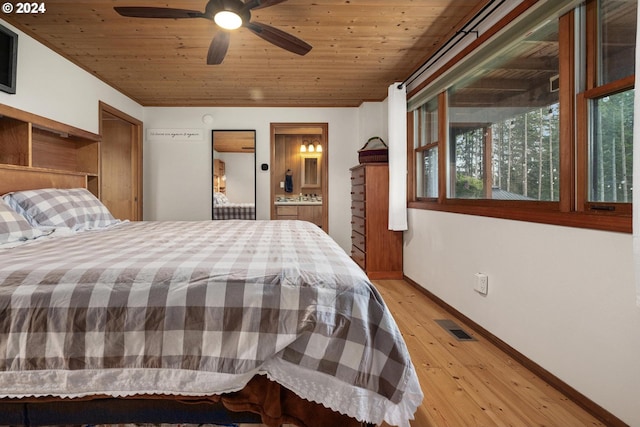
(313, 146)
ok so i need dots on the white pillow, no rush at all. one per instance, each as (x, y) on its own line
(220, 198)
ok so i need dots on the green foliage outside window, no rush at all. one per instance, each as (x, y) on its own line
(611, 157)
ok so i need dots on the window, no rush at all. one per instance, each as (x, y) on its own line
(611, 148)
(536, 123)
(503, 123)
(616, 21)
(610, 107)
(426, 149)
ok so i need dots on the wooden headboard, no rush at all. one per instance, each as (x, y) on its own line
(16, 178)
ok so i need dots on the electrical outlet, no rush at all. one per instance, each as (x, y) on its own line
(281, 184)
(482, 283)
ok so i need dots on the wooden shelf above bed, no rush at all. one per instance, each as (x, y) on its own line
(41, 146)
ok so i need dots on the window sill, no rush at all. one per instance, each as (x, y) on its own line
(539, 212)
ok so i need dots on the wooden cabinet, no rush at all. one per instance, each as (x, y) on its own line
(287, 212)
(311, 213)
(32, 143)
(373, 246)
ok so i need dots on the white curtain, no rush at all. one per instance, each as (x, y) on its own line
(397, 157)
(636, 167)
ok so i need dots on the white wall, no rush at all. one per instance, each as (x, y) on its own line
(373, 121)
(53, 87)
(564, 297)
(177, 175)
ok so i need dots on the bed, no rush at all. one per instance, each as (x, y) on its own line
(198, 322)
(223, 209)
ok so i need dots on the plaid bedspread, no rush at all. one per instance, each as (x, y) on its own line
(234, 211)
(198, 308)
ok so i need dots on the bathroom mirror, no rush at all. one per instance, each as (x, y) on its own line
(233, 174)
(310, 171)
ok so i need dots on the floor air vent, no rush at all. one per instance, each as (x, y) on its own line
(455, 330)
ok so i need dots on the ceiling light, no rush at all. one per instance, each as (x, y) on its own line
(228, 20)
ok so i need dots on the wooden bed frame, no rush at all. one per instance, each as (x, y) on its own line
(261, 401)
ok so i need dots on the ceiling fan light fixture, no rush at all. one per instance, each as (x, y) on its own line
(228, 15)
(228, 20)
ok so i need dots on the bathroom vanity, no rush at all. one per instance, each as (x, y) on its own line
(305, 208)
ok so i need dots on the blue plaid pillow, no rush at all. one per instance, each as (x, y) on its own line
(74, 208)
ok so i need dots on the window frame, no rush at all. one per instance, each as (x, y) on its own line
(583, 204)
(571, 209)
(592, 92)
(414, 151)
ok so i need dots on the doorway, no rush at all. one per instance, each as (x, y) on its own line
(299, 172)
(120, 163)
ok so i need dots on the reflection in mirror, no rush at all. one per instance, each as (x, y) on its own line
(234, 176)
(310, 171)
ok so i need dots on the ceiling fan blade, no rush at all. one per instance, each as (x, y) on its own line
(218, 48)
(158, 12)
(279, 38)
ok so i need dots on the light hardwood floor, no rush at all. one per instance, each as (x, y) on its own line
(471, 383)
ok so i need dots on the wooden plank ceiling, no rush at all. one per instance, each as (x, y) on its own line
(360, 47)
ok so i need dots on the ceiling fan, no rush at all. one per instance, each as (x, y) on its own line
(228, 15)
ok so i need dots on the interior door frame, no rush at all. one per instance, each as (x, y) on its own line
(324, 190)
(105, 109)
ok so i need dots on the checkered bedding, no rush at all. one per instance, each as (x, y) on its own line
(198, 308)
(74, 208)
(234, 211)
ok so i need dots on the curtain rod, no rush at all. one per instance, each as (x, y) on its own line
(482, 14)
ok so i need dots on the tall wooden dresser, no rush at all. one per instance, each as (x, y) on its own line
(373, 246)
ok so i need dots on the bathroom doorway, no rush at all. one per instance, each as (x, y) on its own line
(299, 172)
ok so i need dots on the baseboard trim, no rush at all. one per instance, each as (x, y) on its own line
(584, 402)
